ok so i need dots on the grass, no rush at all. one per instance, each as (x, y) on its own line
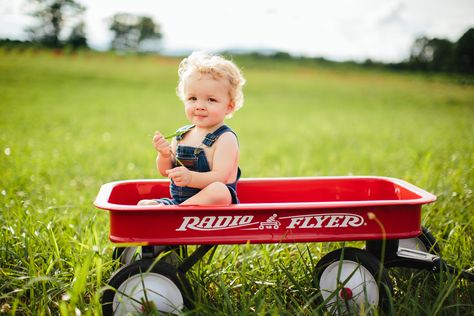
(70, 123)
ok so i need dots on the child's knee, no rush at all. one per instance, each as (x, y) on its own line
(217, 187)
(220, 193)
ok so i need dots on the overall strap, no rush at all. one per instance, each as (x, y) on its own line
(183, 130)
(212, 137)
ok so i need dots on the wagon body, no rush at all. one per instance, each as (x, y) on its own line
(272, 210)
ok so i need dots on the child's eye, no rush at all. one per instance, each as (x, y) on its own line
(192, 98)
(212, 100)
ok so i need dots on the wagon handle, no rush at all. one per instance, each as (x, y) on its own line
(440, 265)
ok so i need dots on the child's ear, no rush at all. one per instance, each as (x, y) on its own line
(230, 107)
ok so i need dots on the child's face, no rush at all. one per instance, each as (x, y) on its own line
(207, 100)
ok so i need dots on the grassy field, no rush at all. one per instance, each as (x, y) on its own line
(69, 123)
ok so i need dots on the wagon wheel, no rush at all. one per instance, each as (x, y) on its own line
(425, 242)
(352, 280)
(127, 255)
(145, 287)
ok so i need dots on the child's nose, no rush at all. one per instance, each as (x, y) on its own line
(200, 104)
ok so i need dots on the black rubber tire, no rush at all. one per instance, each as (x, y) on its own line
(140, 267)
(363, 259)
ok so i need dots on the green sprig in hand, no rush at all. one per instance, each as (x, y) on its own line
(180, 132)
(177, 134)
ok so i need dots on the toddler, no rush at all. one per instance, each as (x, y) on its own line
(202, 159)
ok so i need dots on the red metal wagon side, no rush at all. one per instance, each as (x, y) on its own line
(272, 210)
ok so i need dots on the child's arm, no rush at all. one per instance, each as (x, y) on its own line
(164, 160)
(224, 165)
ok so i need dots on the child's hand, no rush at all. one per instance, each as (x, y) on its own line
(181, 176)
(161, 145)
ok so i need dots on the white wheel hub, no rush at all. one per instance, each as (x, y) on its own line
(155, 288)
(360, 290)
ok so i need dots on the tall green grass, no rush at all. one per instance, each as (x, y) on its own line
(69, 123)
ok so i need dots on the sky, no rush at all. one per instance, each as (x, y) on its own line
(338, 29)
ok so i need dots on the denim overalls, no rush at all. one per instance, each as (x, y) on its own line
(194, 158)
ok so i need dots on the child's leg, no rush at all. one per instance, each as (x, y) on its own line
(215, 193)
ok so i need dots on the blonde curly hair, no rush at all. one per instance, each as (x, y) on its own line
(216, 66)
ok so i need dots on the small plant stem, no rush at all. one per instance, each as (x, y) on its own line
(177, 160)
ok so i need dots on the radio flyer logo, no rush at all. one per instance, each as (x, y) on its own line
(247, 222)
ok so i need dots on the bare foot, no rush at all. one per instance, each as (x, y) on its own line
(148, 202)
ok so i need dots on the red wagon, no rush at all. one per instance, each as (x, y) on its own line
(384, 212)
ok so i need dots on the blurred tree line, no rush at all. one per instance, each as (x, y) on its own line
(60, 24)
(134, 33)
(426, 54)
(442, 55)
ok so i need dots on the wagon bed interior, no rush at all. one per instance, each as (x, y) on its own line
(280, 190)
